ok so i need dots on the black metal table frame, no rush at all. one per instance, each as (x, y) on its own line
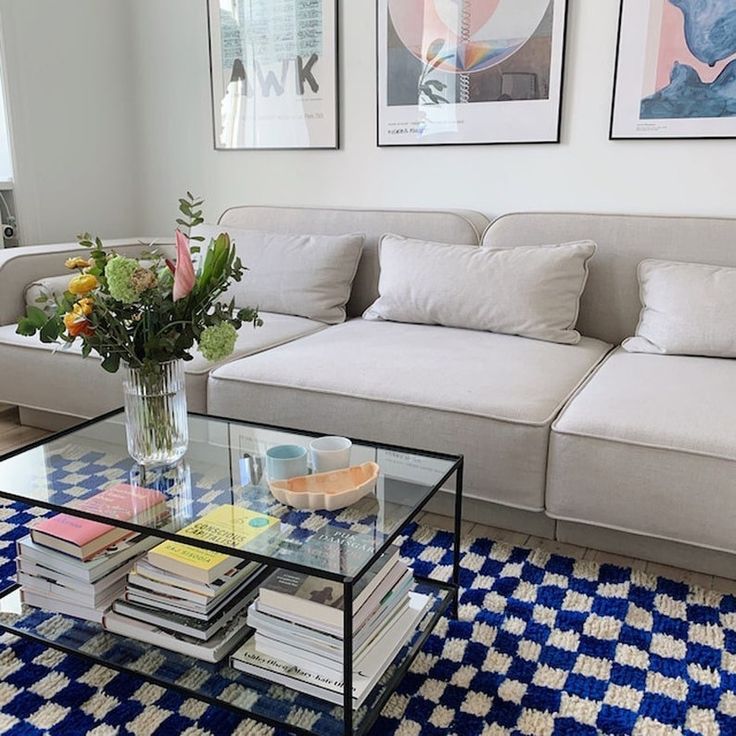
(348, 582)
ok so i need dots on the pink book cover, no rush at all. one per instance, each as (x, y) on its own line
(120, 502)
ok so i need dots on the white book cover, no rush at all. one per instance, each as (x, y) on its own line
(322, 682)
(149, 576)
(180, 623)
(360, 620)
(329, 659)
(87, 588)
(212, 650)
(90, 570)
(54, 605)
(318, 644)
(90, 599)
(164, 603)
(311, 597)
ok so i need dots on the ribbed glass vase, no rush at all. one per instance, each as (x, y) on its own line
(156, 413)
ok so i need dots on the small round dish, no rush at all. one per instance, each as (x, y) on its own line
(327, 491)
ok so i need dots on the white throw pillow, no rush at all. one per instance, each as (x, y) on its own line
(529, 291)
(305, 275)
(688, 309)
(45, 293)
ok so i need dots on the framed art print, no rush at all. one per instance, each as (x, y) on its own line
(470, 71)
(274, 73)
(675, 70)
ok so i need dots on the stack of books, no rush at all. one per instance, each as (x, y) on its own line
(188, 599)
(298, 622)
(78, 567)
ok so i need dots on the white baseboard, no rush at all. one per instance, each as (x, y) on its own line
(665, 552)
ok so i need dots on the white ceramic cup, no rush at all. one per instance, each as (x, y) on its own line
(330, 453)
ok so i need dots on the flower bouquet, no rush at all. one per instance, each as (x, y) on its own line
(147, 314)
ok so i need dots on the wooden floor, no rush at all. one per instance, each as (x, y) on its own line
(12, 436)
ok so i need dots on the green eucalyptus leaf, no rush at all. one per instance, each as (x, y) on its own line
(50, 331)
(26, 327)
(37, 317)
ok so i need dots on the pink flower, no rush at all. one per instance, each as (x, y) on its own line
(184, 277)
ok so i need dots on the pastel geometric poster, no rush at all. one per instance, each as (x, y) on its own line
(470, 71)
(675, 70)
(274, 73)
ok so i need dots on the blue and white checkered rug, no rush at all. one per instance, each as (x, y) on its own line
(546, 645)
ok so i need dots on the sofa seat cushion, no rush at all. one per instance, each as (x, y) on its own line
(649, 446)
(51, 379)
(489, 396)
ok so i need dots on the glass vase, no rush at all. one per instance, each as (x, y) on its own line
(156, 413)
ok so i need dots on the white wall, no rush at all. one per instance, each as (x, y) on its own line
(586, 172)
(70, 78)
(6, 162)
(110, 102)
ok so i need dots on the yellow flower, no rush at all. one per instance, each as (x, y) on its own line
(77, 263)
(84, 307)
(83, 284)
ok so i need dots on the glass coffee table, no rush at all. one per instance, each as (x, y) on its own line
(224, 465)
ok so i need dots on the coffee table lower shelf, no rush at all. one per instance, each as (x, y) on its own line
(219, 684)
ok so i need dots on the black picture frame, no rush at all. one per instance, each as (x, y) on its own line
(336, 116)
(558, 119)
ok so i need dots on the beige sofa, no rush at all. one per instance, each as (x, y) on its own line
(642, 460)
(631, 453)
(50, 385)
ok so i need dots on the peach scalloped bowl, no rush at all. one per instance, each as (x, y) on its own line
(329, 491)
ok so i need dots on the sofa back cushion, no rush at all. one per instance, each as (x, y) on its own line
(533, 292)
(304, 275)
(457, 226)
(689, 309)
(610, 306)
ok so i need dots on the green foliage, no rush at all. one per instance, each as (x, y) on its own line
(134, 319)
(191, 216)
(33, 322)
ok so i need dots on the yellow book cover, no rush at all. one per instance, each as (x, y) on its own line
(227, 525)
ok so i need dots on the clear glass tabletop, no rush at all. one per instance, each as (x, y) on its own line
(225, 466)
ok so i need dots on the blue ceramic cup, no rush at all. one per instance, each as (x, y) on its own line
(286, 461)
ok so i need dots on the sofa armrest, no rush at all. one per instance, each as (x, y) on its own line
(22, 266)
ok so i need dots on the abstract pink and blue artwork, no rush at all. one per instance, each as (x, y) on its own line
(696, 65)
(676, 72)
